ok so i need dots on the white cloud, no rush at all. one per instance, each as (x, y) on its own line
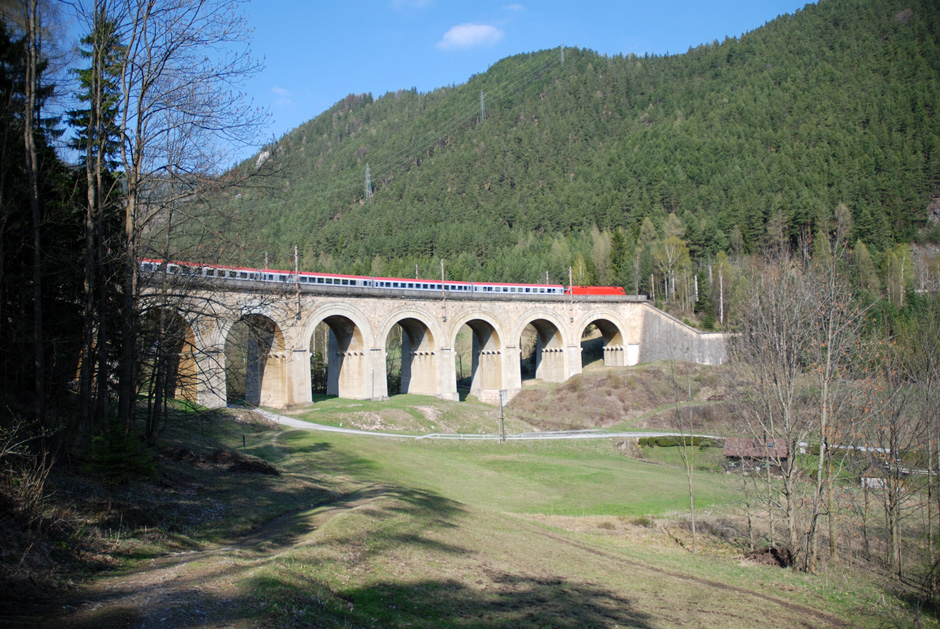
(513, 7)
(470, 36)
(284, 97)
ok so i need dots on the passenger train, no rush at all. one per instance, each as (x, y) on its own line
(149, 266)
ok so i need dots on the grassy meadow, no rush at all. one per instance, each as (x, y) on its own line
(365, 531)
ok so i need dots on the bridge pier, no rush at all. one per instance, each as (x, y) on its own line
(284, 323)
(298, 375)
(549, 359)
(419, 359)
(447, 375)
(487, 364)
(210, 377)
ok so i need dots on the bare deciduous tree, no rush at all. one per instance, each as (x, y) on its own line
(179, 118)
(770, 353)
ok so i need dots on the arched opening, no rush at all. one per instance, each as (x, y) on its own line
(168, 366)
(411, 359)
(541, 352)
(463, 360)
(254, 365)
(319, 359)
(601, 345)
(337, 359)
(484, 378)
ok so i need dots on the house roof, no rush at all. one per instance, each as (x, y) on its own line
(747, 448)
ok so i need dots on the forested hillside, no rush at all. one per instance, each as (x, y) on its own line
(744, 140)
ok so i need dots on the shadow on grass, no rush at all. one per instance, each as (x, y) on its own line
(419, 509)
(504, 600)
(224, 586)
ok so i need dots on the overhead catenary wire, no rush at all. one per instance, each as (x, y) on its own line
(465, 115)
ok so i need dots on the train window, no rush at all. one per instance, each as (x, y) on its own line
(328, 280)
(344, 282)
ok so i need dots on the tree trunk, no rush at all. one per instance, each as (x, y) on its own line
(32, 169)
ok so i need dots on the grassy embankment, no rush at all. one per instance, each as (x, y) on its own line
(395, 532)
(369, 531)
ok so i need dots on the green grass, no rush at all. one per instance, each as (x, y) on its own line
(547, 477)
(401, 532)
(442, 534)
(706, 460)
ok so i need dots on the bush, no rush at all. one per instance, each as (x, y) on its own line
(119, 455)
(640, 520)
(708, 322)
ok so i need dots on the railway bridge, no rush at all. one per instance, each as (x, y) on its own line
(283, 320)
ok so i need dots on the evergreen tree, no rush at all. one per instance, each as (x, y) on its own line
(97, 143)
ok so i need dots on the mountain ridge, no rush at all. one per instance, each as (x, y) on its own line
(516, 171)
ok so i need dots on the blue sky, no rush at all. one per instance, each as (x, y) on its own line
(316, 52)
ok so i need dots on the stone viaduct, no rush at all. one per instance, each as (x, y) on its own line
(361, 319)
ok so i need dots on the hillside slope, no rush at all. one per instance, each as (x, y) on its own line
(835, 104)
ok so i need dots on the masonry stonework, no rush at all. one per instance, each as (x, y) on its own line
(360, 321)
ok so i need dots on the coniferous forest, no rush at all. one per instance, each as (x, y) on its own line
(567, 158)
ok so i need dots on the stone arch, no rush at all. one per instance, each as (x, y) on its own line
(257, 341)
(487, 369)
(420, 351)
(550, 357)
(169, 355)
(350, 372)
(611, 339)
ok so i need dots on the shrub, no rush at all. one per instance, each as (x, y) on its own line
(639, 520)
(119, 455)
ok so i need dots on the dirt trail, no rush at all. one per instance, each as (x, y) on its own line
(205, 588)
(192, 589)
(213, 587)
(198, 588)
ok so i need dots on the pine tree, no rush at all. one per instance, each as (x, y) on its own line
(97, 143)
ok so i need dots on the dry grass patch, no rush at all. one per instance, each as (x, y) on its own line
(642, 396)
